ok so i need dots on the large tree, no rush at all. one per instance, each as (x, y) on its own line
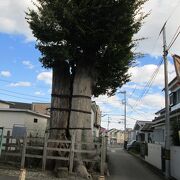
(88, 44)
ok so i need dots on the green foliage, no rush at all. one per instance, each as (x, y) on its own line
(175, 132)
(89, 32)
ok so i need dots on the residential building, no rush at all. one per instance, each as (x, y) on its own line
(115, 136)
(159, 120)
(43, 108)
(140, 135)
(35, 117)
(35, 123)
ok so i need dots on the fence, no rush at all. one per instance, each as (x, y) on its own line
(154, 156)
(175, 161)
(22, 148)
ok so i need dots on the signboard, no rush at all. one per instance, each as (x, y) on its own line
(176, 59)
(19, 131)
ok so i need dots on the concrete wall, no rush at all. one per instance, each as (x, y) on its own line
(8, 119)
(175, 162)
(4, 105)
(154, 155)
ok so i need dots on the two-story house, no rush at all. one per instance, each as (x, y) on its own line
(159, 120)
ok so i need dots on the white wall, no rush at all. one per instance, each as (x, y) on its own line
(175, 162)
(4, 105)
(9, 118)
(154, 155)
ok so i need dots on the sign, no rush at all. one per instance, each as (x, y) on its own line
(176, 59)
(18, 131)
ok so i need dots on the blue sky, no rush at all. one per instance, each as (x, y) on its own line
(22, 77)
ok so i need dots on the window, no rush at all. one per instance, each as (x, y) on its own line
(171, 99)
(178, 96)
(35, 120)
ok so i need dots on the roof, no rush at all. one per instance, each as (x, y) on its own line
(140, 124)
(5, 102)
(23, 111)
(160, 111)
(103, 130)
(148, 127)
(20, 105)
(161, 118)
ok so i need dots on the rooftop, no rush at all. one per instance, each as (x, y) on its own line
(23, 111)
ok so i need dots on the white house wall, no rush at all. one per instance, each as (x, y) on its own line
(8, 119)
(3, 105)
(175, 162)
(154, 155)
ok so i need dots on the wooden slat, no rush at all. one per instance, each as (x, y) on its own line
(23, 152)
(57, 149)
(71, 154)
(34, 156)
(35, 138)
(86, 160)
(85, 151)
(10, 145)
(45, 152)
(11, 154)
(58, 157)
(34, 147)
(58, 141)
(85, 143)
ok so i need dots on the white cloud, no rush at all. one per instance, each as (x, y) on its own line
(161, 10)
(46, 77)
(142, 74)
(39, 93)
(28, 64)
(112, 101)
(5, 73)
(12, 17)
(21, 84)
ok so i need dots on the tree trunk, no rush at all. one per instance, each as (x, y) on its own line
(81, 100)
(60, 102)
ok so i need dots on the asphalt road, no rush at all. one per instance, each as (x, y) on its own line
(8, 178)
(123, 166)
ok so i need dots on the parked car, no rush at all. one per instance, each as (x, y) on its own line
(131, 145)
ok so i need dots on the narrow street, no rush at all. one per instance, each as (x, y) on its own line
(8, 178)
(123, 166)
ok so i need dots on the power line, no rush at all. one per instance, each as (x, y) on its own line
(22, 97)
(149, 83)
(174, 38)
(27, 95)
(173, 11)
(141, 114)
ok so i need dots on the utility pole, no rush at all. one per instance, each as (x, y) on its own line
(167, 121)
(124, 102)
(108, 122)
(125, 111)
(125, 105)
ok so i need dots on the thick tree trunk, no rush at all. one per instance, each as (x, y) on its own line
(81, 100)
(60, 105)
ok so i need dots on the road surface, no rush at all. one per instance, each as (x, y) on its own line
(123, 166)
(8, 178)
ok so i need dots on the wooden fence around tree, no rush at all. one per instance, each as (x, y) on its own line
(22, 148)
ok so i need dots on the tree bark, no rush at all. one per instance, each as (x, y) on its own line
(60, 105)
(82, 86)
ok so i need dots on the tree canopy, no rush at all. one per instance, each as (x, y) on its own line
(95, 33)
